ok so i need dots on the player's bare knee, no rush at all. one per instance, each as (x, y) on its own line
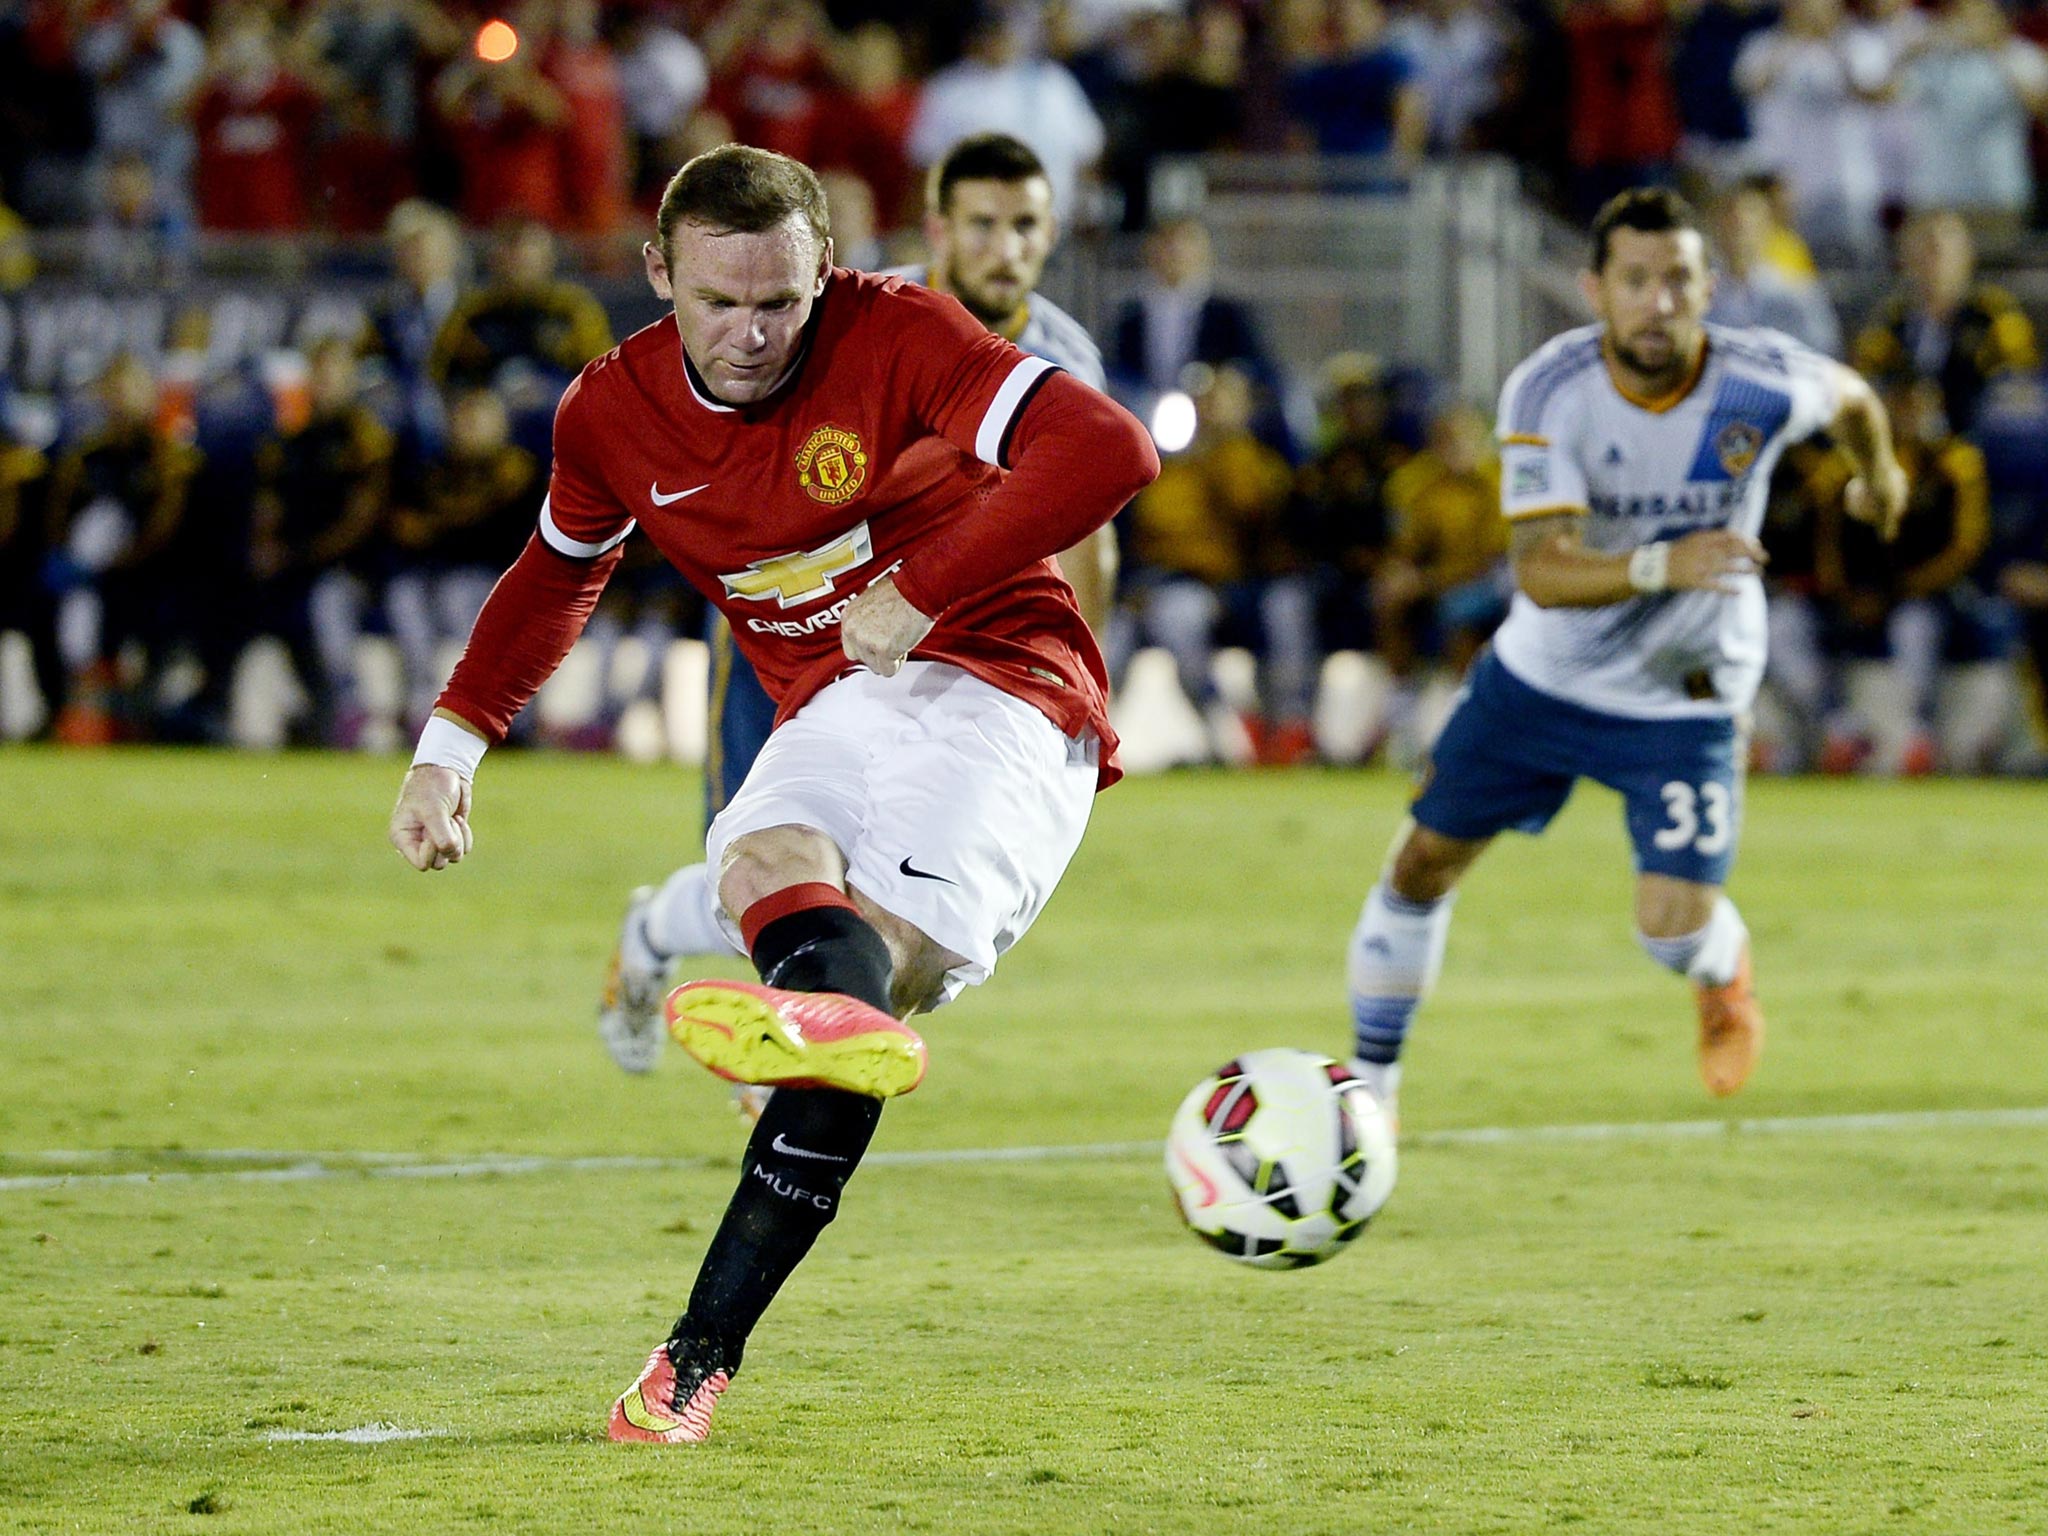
(909, 994)
(920, 985)
(1669, 908)
(918, 965)
(759, 864)
(1426, 865)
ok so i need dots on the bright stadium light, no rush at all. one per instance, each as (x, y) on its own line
(496, 42)
(1173, 421)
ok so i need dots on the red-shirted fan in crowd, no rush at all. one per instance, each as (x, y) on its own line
(871, 487)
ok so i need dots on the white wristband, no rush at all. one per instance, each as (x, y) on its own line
(1649, 568)
(448, 745)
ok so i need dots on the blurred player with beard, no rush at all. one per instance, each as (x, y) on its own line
(1637, 456)
(990, 227)
(989, 224)
(872, 488)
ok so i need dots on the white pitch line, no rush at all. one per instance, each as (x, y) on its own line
(214, 1155)
(384, 1167)
(1093, 1150)
(299, 1166)
(1775, 1125)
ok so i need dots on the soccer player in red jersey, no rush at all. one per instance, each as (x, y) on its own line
(990, 226)
(870, 486)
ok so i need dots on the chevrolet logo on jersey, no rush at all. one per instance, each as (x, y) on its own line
(795, 579)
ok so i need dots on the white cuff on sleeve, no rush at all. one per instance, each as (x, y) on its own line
(993, 436)
(576, 549)
(448, 745)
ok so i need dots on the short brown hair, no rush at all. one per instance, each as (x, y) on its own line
(980, 157)
(1650, 210)
(744, 190)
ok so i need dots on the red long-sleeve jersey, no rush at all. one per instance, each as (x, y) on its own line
(909, 442)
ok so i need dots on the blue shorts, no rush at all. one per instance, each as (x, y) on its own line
(742, 715)
(1510, 754)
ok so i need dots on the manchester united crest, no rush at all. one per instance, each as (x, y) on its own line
(831, 466)
(1736, 446)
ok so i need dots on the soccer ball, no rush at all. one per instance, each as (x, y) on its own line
(1280, 1159)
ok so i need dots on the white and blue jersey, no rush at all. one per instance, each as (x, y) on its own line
(1644, 695)
(1049, 332)
(1641, 471)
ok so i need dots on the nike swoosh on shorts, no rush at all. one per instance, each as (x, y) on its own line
(920, 874)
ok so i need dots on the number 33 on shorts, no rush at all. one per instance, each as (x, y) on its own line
(1702, 819)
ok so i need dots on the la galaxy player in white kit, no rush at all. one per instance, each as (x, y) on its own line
(1636, 459)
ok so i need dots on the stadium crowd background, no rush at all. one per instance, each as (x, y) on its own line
(476, 176)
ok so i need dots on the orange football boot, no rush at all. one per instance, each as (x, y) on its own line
(1731, 1030)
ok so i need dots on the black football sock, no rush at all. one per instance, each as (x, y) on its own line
(802, 1152)
(825, 949)
(798, 1161)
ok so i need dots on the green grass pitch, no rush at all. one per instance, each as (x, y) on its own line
(1802, 1326)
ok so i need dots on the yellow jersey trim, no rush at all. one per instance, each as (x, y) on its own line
(1015, 326)
(1659, 404)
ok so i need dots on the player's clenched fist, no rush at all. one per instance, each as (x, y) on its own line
(879, 628)
(430, 823)
(1711, 559)
(1879, 499)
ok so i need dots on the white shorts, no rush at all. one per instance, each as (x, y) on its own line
(957, 806)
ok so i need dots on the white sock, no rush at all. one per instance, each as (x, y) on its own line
(1396, 952)
(682, 920)
(1711, 955)
(1382, 1077)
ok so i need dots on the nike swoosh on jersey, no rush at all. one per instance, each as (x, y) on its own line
(920, 874)
(660, 500)
(790, 1151)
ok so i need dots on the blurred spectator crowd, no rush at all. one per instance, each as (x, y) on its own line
(381, 478)
(375, 479)
(378, 482)
(284, 115)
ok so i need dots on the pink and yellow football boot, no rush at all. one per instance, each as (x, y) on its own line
(748, 1033)
(666, 1408)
